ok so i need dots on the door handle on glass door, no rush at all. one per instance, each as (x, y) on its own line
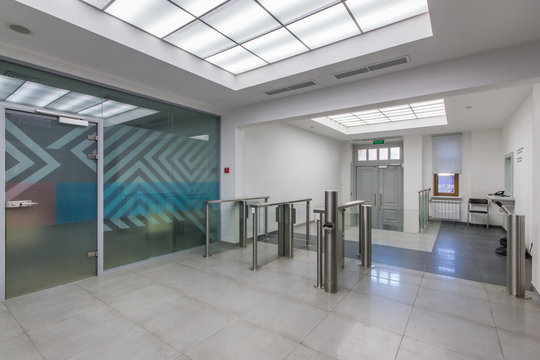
(13, 204)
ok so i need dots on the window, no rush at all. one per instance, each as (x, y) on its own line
(372, 154)
(395, 153)
(362, 155)
(383, 154)
(446, 184)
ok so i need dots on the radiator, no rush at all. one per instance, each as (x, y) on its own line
(446, 209)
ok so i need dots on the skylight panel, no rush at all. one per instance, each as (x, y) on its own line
(107, 109)
(199, 39)
(236, 60)
(35, 94)
(373, 14)
(100, 4)
(289, 11)
(74, 102)
(241, 20)
(158, 17)
(325, 27)
(129, 115)
(198, 7)
(275, 46)
(8, 85)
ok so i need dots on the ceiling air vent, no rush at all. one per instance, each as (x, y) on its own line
(372, 67)
(291, 87)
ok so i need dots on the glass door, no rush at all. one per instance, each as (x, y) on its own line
(51, 202)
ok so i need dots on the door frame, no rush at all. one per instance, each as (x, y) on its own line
(99, 183)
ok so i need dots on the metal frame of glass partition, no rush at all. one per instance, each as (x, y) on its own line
(255, 211)
(243, 215)
(99, 183)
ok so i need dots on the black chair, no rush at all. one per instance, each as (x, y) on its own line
(478, 206)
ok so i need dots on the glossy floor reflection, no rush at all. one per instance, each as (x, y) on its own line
(189, 307)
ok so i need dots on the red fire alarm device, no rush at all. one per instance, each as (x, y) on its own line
(226, 170)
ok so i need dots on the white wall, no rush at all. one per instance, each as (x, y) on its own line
(412, 180)
(517, 134)
(288, 163)
(536, 185)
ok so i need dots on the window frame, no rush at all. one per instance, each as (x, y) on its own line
(369, 145)
(436, 186)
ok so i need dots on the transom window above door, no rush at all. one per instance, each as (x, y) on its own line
(378, 153)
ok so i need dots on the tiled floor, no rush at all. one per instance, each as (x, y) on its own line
(188, 307)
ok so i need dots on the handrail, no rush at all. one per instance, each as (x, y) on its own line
(278, 203)
(235, 199)
(351, 204)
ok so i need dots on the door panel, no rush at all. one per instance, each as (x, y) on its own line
(48, 241)
(366, 184)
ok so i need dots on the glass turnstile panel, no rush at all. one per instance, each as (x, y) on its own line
(51, 202)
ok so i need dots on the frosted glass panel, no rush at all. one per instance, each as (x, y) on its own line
(362, 155)
(395, 153)
(383, 154)
(372, 154)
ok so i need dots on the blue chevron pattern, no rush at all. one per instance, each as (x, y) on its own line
(154, 177)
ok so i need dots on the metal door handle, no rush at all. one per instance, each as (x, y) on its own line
(374, 199)
(20, 204)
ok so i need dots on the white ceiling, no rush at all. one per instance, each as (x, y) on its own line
(460, 28)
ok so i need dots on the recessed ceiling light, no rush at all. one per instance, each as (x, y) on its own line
(199, 39)
(74, 102)
(289, 11)
(241, 20)
(373, 14)
(236, 60)
(198, 7)
(275, 46)
(19, 29)
(325, 27)
(158, 17)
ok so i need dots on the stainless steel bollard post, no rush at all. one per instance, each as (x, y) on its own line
(515, 260)
(319, 252)
(330, 234)
(365, 246)
(360, 230)
(254, 261)
(207, 229)
(244, 208)
(307, 246)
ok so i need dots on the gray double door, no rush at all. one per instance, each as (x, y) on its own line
(382, 188)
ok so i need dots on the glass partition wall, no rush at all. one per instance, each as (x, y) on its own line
(159, 162)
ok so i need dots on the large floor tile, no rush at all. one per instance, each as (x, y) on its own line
(114, 285)
(46, 307)
(241, 341)
(516, 319)
(459, 286)
(499, 295)
(188, 324)
(450, 332)
(344, 338)
(519, 347)
(19, 348)
(147, 303)
(8, 325)
(389, 289)
(412, 349)
(304, 353)
(135, 344)
(73, 335)
(286, 317)
(293, 267)
(469, 308)
(391, 273)
(305, 292)
(388, 314)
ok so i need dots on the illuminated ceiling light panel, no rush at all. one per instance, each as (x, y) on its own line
(100, 4)
(8, 85)
(198, 7)
(373, 14)
(389, 114)
(199, 39)
(289, 11)
(107, 109)
(35, 94)
(236, 60)
(241, 20)
(158, 17)
(275, 46)
(74, 102)
(325, 27)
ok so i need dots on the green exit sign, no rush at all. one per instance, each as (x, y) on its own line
(378, 142)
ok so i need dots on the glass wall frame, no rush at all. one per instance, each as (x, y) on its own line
(160, 163)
